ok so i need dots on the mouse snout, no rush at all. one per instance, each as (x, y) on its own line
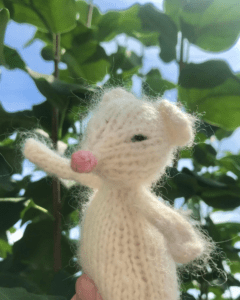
(83, 161)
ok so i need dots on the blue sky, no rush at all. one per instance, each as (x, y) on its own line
(18, 91)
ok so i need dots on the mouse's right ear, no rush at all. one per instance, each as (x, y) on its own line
(180, 126)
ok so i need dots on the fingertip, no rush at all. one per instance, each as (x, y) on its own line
(85, 288)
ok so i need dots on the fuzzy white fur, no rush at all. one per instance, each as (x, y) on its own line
(130, 241)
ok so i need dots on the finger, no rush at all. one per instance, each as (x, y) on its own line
(74, 297)
(85, 288)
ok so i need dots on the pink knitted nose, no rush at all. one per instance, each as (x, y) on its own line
(83, 161)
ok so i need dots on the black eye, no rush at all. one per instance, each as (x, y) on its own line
(138, 138)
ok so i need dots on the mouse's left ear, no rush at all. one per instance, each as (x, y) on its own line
(116, 93)
(180, 126)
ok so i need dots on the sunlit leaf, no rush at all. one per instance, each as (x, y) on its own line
(155, 85)
(212, 89)
(4, 248)
(212, 25)
(48, 15)
(152, 20)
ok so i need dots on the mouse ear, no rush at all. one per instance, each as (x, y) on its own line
(114, 94)
(179, 125)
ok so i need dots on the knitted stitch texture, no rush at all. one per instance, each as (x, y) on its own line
(130, 241)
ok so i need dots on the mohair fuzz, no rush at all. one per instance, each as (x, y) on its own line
(131, 243)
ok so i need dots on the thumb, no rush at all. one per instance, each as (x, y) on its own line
(85, 289)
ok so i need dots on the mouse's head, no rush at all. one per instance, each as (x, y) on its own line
(134, 140)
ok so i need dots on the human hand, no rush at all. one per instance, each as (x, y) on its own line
(86, 289)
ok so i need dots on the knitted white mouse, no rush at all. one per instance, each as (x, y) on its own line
(130, 241)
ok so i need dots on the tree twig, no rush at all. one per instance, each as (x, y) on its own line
(57, 264)
(90, 12)
(181, 66)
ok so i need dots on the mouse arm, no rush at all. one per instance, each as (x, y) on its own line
(54, 164)
(184, 243)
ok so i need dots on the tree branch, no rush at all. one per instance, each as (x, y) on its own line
(90, 12)
(56, 183)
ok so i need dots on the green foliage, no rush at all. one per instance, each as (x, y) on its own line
(154, 84)
(4, 17)
(13, 59)
(212, 25)
(20, 293)
(210, 88)
(48, 15)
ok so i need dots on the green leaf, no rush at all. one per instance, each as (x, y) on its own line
(6, 169)
(20, 293)
(35, 250)
(83, 10)
(124, 60)
(212, 25)
(48, 15)
(108, 26)
(34, 213)
(205, 75)
(147, 38)
(115, 22)
(230, 163)
(179, 184)
(10, 213)
(72, 203)
(154, 20)
(47, 53)
(125, 64)
(187, 296)
(228, 231)
(13, 59)
(12, 121)
(41, 193)
(221, 133)
(208, 181)
(75, 38)
(43, 36)
(212, 89)
(222, 199)
(63, 284)
(91, 72)
(235, 267)
(4, 18)
(5, 248)
(84, 51)
(155, 85)
(205, 154)
(42, 115)
(11, 153)
(12, 230)
(10, 280)
(57, 91)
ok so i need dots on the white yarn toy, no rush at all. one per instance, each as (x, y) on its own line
(130, 241)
